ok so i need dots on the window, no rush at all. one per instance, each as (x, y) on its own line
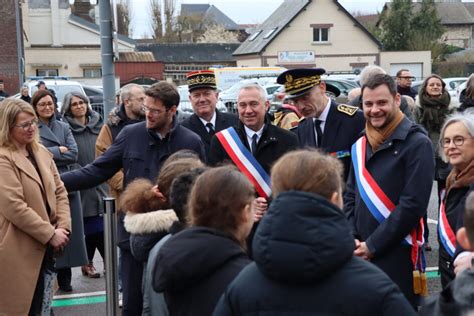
(47, 72)
(270, 32)
(254, 35)
(320, 35)
(93, 73)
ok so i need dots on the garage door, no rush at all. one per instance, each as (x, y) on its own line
(415, 68)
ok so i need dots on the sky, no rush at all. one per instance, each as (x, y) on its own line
(242, 11)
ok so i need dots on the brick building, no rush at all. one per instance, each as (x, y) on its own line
(11, 46)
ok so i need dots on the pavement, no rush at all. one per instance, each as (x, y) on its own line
(88, 295)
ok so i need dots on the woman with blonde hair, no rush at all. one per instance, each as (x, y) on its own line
(303, 251)
(34, 214)
(195, 265)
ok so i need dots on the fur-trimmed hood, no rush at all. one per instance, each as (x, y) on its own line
(151, 222)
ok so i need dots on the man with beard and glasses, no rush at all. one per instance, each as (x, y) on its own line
(327, 125)
(140, 150)
(389, 188)
(203, 95)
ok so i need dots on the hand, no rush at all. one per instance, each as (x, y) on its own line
(63, 149)
(362, 251)
(59, 239)
(463, 263)
(260, 206)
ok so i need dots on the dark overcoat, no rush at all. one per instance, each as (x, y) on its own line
(403, 167)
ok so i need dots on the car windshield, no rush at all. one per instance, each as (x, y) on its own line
(60, 90)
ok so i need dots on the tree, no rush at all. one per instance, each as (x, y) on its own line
(427, 28)
(396, 29)
(124, 18)
(218, 34)
(157, 25)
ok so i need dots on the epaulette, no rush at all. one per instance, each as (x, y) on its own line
(347, 109)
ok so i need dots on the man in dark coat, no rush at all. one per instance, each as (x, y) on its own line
(203, 95)
(327, 125)
(400, 160)
(404, 80)
(140, 149)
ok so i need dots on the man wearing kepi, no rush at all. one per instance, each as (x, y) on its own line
(203, 95)
(140, 149)
(327, 125)
(389, 188)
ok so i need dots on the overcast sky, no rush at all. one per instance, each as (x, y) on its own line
(242, 11)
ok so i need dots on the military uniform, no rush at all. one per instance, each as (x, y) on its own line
(343, 127)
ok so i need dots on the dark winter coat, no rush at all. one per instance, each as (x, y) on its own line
(304, 265)
(86, 136)
(52, 136)
(403, 167)
(457, 299)
(341, 130)
(273, 144)
(223, 121)
(466, 103)
(409, 91)
(140, 152)
(194, 267)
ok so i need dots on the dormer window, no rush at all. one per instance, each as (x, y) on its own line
(270, 33)
(254, 35)
(321, 32)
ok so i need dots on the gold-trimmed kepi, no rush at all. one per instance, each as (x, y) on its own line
(299, 81)
(201, 79)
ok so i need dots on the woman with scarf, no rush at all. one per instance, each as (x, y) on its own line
(458, 149)
(433, 101)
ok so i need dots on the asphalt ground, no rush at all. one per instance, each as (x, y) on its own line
(88, 295)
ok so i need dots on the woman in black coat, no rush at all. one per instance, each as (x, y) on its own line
(195, 265)
(57, 138)
(303, 251)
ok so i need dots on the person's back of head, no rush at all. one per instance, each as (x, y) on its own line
(368, 72)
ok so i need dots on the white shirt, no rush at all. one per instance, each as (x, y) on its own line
(323, 117)
(213, 122)
(250, 134)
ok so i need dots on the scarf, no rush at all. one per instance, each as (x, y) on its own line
(460, 178)
(434, 110)
(376, 136)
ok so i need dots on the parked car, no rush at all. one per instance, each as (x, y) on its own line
(452, 85)
(185, 109)
(96, 98)
(59, 85)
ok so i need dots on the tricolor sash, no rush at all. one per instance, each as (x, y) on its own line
(446, 233)
(245, 161)
(381, 207)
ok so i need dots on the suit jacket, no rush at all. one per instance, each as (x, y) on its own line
(273, 144)
(223, 121)
(341, 130)
(25, 226)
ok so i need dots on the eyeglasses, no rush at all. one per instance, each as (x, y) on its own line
(153, 111)
(45, 104)
(75, 104)
(457, 140)
(26, 126)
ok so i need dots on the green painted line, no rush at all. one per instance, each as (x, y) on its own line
(79, 301)
(432, 274)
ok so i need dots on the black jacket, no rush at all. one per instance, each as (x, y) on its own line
(466, 103)
(194, 267)
(304, 266)
(455, 300)
(409, 91)
(341, 130)
(273, 144)
(223, 121)
(118, 119)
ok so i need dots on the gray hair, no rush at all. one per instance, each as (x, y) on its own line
(66, 105)
(126, 91)
(466, 118)
(261, 90)
(368, 72)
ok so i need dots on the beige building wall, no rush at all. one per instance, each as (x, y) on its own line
(391, 60)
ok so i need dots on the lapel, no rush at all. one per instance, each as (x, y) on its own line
(331, 128)
(220, 122)
(22, 163)
(47, 133)
(200, 129)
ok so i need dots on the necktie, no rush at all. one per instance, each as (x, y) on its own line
(210, 128)
(319, 132)
(254, 143)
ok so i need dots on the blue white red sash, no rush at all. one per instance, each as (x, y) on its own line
(446, 233)
(244, 160)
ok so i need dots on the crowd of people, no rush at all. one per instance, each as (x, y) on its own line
(229, 214)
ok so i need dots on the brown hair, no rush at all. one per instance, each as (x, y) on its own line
(469, 217)
(139, 197)
(425, 83)
(9, 110)
(308, 171)
(38, 95)
(165, 92)
(218, 198)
